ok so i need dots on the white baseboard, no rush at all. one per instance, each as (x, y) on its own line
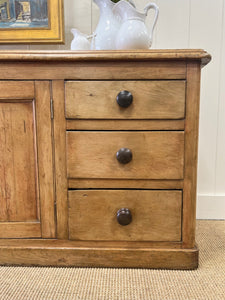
(211, 207)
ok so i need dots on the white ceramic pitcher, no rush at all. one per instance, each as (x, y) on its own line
(133, 33)
(80, 40)
(108, 26)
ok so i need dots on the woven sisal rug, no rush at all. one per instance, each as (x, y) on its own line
(208, 282)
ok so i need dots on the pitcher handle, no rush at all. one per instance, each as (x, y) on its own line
(156, 8)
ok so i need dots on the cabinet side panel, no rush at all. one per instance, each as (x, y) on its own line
(18, 196)
(191, 154)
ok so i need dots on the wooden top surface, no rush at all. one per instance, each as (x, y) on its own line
(131, 55)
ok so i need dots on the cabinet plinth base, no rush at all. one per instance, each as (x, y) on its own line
(64, 253)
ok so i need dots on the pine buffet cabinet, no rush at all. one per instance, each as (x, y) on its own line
(98, 158)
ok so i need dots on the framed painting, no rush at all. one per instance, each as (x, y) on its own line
(31, 21)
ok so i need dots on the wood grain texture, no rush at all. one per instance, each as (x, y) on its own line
(93, 70)
(16, 90)
(19, 230)
(60, 158)
(45, 159)
(156, 155)
(125, 55)
(156, 215)
(18, 162)
(151, 99)
(125, 125)
(191, 154)
(152, 185)
(124, 184)
(36, 243)
(44, 255)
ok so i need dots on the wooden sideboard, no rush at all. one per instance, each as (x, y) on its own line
(98, 158)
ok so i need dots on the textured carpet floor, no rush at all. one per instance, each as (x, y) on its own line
(208, 282)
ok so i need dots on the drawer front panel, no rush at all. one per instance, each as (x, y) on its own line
(154, 215)
(155, 155)
(151, 99)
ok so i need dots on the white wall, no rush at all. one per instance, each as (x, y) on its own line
(183, 24)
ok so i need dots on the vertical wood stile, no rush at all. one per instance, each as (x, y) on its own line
(45, 159)
(60, 158)
(191, 154)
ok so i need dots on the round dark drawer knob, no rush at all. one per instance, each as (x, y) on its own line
(124, 216)
(124, 155)
(124, 99)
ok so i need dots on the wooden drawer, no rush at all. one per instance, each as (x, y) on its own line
(151, 99)
(155, 155)
(156, 215)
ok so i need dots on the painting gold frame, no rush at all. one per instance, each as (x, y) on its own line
(53, 34)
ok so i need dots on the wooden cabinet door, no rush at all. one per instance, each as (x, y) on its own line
(26, 166)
